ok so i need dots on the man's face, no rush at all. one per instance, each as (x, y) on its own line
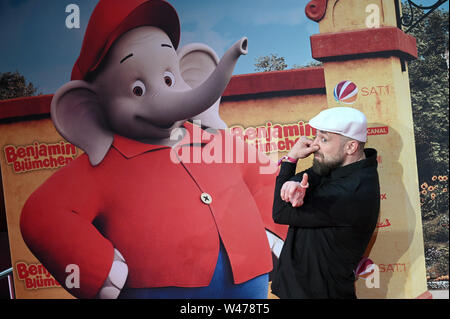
(330, 154)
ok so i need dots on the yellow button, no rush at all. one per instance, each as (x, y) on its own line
(206, 198)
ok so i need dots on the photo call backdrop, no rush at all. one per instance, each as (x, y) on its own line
(364, 65)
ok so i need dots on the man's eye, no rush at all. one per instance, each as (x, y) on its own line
(323, 139)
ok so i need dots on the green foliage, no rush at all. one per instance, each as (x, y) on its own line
(429, 92)
(307, 65)
(274, 63)
(430, 97)
(434, 197)
(270, 63)
(14, 85)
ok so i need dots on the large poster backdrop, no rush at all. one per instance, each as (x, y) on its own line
(364, 65)
(31, 152)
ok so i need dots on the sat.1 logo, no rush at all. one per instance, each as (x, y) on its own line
(345, 92)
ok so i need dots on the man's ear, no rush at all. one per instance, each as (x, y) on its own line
(351, 147)
(197, 62)
(77, 116)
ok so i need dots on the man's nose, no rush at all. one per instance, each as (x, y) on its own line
(315, 143)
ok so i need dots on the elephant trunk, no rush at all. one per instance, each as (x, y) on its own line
(176, 106)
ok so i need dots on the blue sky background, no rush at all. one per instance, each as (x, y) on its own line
(34, 39)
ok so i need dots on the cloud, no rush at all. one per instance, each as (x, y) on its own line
(204, 23)
(215, 40)
(258, 13)
(265, 14)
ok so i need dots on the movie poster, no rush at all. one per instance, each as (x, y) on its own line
(285, 63)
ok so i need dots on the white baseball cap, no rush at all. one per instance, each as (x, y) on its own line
(342, 120)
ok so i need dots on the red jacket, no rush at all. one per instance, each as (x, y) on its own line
(149, 208)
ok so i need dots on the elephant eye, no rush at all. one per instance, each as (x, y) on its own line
(169, 79)
(138, 88)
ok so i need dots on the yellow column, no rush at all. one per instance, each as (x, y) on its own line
(359, 42)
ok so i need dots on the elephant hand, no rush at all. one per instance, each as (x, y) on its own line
(294, 192)
(275, 243)
(116, 279)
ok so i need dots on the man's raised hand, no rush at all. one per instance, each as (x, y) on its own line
(294, 192)
(303, 148)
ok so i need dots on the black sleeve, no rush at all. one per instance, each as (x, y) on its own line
(334, 208)
(313, 179)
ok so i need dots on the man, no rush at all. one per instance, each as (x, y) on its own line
(331, 208)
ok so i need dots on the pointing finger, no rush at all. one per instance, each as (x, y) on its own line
(304, 183)
(282, 192)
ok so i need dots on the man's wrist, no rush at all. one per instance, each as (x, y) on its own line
(294, 156)
(288, 159)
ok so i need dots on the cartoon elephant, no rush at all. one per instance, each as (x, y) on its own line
(137, 223)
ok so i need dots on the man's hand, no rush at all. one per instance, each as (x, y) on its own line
(303, 148)
(294, 192)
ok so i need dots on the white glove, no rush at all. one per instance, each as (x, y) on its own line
(116, 278)
(275, 243)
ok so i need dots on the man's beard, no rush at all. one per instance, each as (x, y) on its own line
(323, 168)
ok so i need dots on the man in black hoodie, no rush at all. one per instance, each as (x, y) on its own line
(331, 208)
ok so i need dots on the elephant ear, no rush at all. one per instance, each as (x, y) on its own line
(77, 116)
(197, 62)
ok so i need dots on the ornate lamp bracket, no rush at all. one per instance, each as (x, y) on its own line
(410, 21)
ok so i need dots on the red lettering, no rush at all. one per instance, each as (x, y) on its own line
(378, 130)
(261, 132)
(61, 160)
(392, 267)
(250, 133)
(377, 90)
(309, 131)
(22, 270)
(21, 152)
(29, 283)
(10, 152)
(17, 167)
(32, 269)
(277, 131)
(380, 87)
(237, 131)
(302, 129)
(288, 143)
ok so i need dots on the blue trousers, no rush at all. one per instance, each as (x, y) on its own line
(221, 286)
